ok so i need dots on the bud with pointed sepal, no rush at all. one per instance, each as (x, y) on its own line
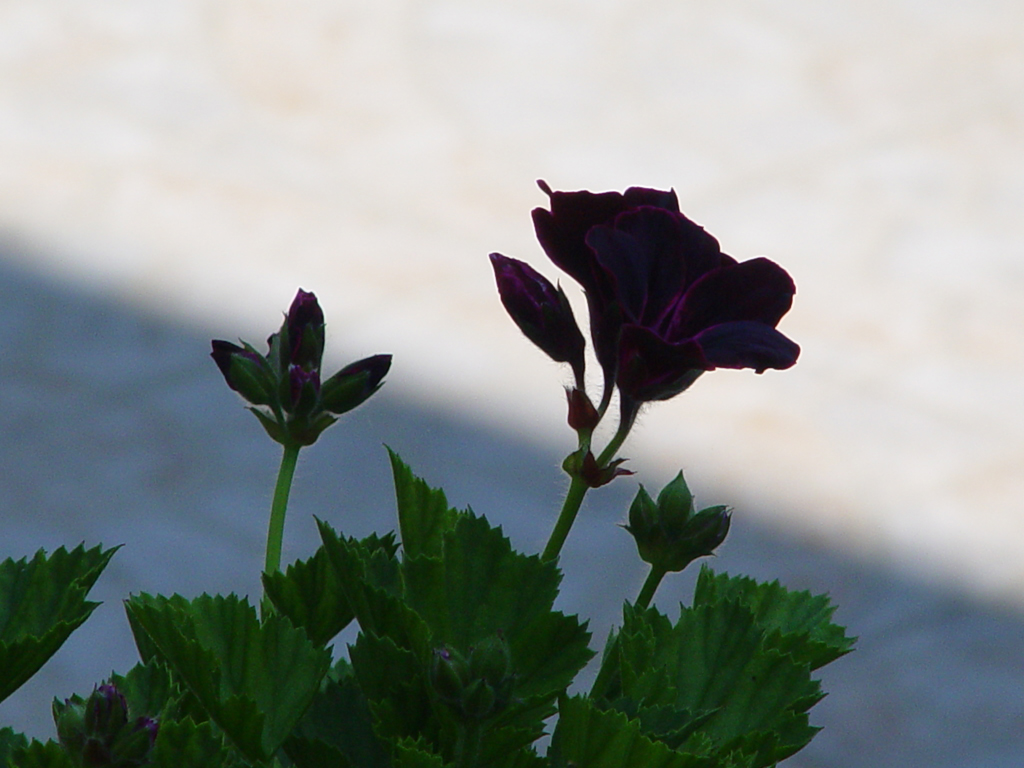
(98, 731)
(669, 534)
(353, 384)
(305, 327)
(246, 371)
(541, 311)
(583, 465)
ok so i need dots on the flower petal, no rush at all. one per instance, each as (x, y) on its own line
(757, 290)
(651, 368)
(747, 344)
(651, 255)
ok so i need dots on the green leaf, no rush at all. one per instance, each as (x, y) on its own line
(254, 680)
(337, 729)
(310, 592)
(479, 587)
(423, 512)
(42, 601)
(149, 691)
(10, 741)
(40, 754)
(587, 736)
(714, 660)
(797, 623)
(393, 680)
(315, 753)
(185, 744)
(371, 585)
(415, 754)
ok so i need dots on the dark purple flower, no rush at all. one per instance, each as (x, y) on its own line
(541, 311)
(665, 303)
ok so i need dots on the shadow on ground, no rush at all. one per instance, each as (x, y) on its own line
(116, 427)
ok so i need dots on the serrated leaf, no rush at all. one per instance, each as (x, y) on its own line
(254, 680)
(42, 601)
(664, 723)
(377, 608)
(185, 744)
(588, 736)
(311, 594)
(797, 623)
(149, 691)
(479, 587)
(337, 729)
(423, 512)
(714, 659)
(415, 754)
(315, 753)
(393, 681)
(10, 741)
(38, 754)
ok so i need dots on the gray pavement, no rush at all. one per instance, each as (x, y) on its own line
(115, 427)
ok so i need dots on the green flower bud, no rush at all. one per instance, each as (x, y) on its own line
(478, 687)
(96, 731)
(491, 660)
(449, 675)
(668, 533)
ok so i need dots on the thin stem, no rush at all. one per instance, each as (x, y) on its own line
(278, 509)
(467, 745)
(643, 600)
(625, 424)
(606, 676)
(573, 500)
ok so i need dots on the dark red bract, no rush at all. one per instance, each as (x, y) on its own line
(665, 303)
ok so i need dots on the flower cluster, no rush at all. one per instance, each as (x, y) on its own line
(665, 303)
(98, 732)
(284, 386)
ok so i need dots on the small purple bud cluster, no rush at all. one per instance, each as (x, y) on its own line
(669, 533)
(98, 731)
(284, 387)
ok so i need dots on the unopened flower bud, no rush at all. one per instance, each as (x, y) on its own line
(305, 327)
(668, 533)
(303, 391)
(449, 675)
(583, 416)
(96, 732)
(106, 711)
(245, 370)
(354, 383)
(541, 311)
(477, 687)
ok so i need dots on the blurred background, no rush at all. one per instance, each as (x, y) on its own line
(172, 172)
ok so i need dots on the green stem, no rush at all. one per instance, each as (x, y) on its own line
(643, 600)
(467, 745)
(278, 509)
(606, 676)
(625, 424)
(573, 500)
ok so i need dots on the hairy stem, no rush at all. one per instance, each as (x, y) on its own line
(573, 500)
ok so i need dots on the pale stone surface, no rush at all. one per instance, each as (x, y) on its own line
(202, 159)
